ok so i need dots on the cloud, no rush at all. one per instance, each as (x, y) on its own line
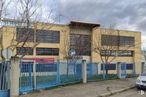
(125, 14)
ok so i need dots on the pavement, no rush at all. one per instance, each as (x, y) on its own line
(91, 89)
(131, 93)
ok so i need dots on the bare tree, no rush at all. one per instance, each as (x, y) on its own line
(106, 45)
(109, 44)
(27, 12)
(3, 12)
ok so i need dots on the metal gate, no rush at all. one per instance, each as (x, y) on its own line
(123, 70)
(34, 76)
(5, 79)
(92, 71)
(26, 77)
(70, 72)
(47, 75)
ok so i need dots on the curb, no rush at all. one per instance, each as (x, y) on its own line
(115, 91)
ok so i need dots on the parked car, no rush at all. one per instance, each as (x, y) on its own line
(141, 81)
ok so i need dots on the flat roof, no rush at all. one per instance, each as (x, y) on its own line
(73, 23)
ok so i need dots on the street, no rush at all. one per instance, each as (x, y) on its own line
(131, 93)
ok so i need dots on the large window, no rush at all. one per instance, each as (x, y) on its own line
(108, 53)
(125, 40)
(81, 44)
(25, 35)
(42, 36)
(24, 50)
(47, 51)
(120, 53)
(47, 36)
(113, 40)
(110, 40)
(125, 53)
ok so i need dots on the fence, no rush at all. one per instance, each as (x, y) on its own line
(4, 79)
(110, 71)
(92, 72)
(35, 76)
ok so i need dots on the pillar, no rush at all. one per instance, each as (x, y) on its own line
(84, 71)
(14, 77)
(119, 69)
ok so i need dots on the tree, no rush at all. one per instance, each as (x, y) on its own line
(27, 13)
(109, 45)
(3, 12)
(106, 45)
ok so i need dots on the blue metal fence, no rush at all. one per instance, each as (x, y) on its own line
(46, 75)
(107, 68)
(123, 70)
(70, 73)
(92, 71)
(26, 79)
(34, 76)
(5, 79)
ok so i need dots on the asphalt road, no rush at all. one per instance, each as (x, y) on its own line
(131, 93)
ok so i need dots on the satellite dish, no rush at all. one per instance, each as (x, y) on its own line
(7, 53)
(72, 52)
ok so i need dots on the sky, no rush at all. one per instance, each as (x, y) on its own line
(122, 14)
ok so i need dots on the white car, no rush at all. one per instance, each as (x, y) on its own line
(141, 81)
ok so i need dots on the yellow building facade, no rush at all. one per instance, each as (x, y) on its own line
(84, 38)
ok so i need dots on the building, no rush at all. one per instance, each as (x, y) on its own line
(50, 42)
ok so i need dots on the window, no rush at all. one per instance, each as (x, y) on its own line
(125, 53)
(81, 44)
(47, 36)
(125, 40)
(24, 50)
(25, 35)
(120, 53)
(113, 40)
(129, 66)
(110, 40)
(108, 53)
(109, 67)
(47, 51)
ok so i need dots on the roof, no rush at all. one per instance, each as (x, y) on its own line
(73, 23)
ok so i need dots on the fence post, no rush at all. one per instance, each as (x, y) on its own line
(103, 68)
(119, 69)
(84, 71)
(14, 77)
(134, 69)
(34, 74)
(58, 71)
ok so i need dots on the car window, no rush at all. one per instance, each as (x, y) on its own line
(143, 74)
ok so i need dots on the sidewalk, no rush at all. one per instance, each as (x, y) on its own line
(91, 89)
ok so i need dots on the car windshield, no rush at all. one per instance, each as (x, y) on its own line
(143, 74)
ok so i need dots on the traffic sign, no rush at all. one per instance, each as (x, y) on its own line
(7, 53)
